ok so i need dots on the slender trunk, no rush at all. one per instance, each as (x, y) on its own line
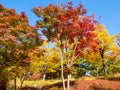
(15, 88)
(21, 84)
(68, 82)
(104, 67)
(103, 62)
(97, 72)
(106, 71)
(62, 74)
(22, 80)
(44, 76)
(44, 72)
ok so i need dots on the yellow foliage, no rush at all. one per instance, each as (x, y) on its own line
(49, 59)
(106, 43)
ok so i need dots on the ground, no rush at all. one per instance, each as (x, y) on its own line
(83, 84)
(96, 85)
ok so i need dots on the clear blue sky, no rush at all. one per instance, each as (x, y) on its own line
(108, 9)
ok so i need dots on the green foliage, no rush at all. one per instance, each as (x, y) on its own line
(80, 67)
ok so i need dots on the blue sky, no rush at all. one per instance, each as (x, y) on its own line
(109, 10)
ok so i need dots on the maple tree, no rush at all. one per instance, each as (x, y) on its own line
(16, 38)
(68, 25)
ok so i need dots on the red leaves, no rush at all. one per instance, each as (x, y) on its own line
(80, 26)
(23, 15)
(6, 36)
(1, 14)
(16, 37)
(71, 23)
(77, 26)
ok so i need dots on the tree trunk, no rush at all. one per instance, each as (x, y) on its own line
(68, 82)
(15, 88)
(97, 72)
(104, 67)
(44, 76)
(44, 72)
(106, 71)
(62, 74)
(103, 62)
(22, 80)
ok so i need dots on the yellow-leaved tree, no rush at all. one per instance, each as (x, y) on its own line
(107, 51)
(107, 47)
(45, 60)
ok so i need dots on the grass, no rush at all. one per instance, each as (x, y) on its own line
(88, 78)
(40, 84)
(57, 84)
(115, 77)
(33, 83)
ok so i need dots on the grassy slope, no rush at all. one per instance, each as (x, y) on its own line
(84, 83)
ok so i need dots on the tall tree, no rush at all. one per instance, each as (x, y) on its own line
(68, 25)
(16, 37)
(107, 47)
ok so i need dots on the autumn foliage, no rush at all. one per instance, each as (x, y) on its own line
(66, 21)
(17, 37)
(75, 44)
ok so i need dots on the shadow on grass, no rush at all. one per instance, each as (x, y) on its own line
(57, 85)
(114, 78)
